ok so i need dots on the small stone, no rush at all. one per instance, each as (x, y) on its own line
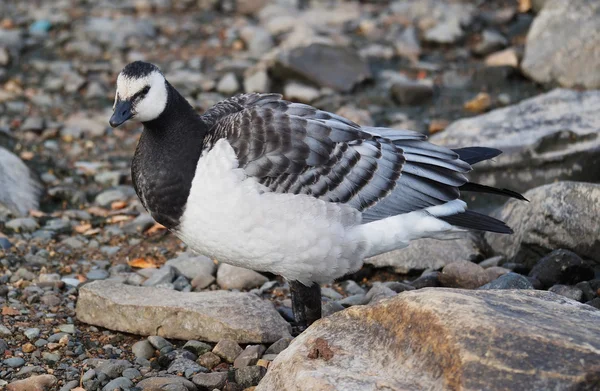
(507, 57)
(118, 384)
(227, 349)
(191, 265)
(107, 197)
(495, 271)
(509, 281)
(5, 331)
(33, 124)
(480, 103)
(594, 303)
(300, 92)
(351, 300)
(32, 333)
(70, 385)
(491, 262)
(202, 281)
(490, 41)
(411, 92)
(279, 345)
(249, 356)
(209, 360)
(88, 375)
(22, 224)
(164, 275)
(377, 293)
(33, 383)
(330, 293)
(210, 381)
(257, 82)
(138, 225)
(67, 328)
(51, 358)
(571, 292)
(352, 288)
(249, 376)
(131, 373)
(162, 383)
(233, 277)
(40, 342)
(197, 347)
(463, 274)
(398, 286)
(183, 365)
(587, 291)
(143, 349)
(159, 342)
(112, 368)
(228, 84)
(28, 348)
(97, 274)
(14, 362)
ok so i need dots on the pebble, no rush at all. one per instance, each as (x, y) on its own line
(67, 328)
(97, 274)
(32, 333)
(33, 383)
(228, 84)
(69, 386)
(159, 342)
(210, 381)
(509, 281)
(162, 383)
(249, 356)
(351, 300)
(143, 349)
(191, 265)
(233, 277)
(197, 347)
(296, 91)
(51, 358)
(279, 345)
(14, 362)
(377, 293)
(164, 275)
(571, 292)
(330, 293)
(185, 366)
(22, 224)
(3, 347)
(27, 348)
(352, 288)
(411, 92)
(227, 349)
(249, 376)
(463, 274)
(561, 267)
(209, 360)
(138, 225)
(107, 197)
(117, 384)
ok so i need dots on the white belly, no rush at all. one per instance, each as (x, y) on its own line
(234, 219)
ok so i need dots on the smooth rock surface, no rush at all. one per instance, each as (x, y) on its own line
(446, 339)
(20, 191)
(206, 316)
(233, 277)
(431, 254)
(563, 44)
(559, 215)
(33, 383)
(550, 137)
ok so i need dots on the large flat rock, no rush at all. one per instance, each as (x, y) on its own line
(431, 254)
(206, 316)
(447, 339)
(554, 136)
(561, 215)
(563, 44)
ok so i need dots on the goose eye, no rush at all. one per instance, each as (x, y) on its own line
(145, 90)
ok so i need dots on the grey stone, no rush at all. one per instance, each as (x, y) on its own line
(73, 242)
(228, 85)
(51, 358)
(161, 382)
(351, 287)
(32, 333)
(233, 277)
(335, 67)
(258, 40)
(561, 266)
(491, 41)
(118, 384)
(509, 281)
(69, 386)
(550, 137)
(528, 324)
(159, 342)
(5, 331)
(185, 365)
(107, 197)
(192, 265)
(97, 274)
(300, 92)
(67, 328)
(563, 44)
(351, 300)
(279, 346)
(138, 225)
(257, 81)
(377, 293)
(425, 254)
(197, 347)
(209, 360)
(143, 349)
(411, 92)
(131, 373)
(33, 124)
(249, 356)
(14, 362)
(210, 381)
(164, 275)
(558, 216)
(331, 293)
(209, 316)
(571, 292)
(22, 224)
(250, 376)
(227, 349)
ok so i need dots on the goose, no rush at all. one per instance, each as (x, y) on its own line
(263, 183)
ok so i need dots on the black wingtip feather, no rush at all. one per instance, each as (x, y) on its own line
(477, 221)
(473, 155)
(479, 188)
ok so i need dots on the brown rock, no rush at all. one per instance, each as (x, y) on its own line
(464, 274)
(448, 339)
(33, 383)
(227, 350)
(206, 316)
(209, 360)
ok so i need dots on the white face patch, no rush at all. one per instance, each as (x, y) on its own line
(147, 107)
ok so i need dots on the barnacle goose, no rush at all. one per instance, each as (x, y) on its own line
(281, 187)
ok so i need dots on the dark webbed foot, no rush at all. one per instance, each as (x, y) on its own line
(306, 305)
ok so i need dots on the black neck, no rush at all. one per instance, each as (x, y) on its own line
(166, 157)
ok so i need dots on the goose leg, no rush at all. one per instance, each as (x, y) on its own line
(306, 304)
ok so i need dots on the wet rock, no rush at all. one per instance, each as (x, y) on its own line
(209, 316)
(19, 190)
(227, 349)
(558, 216)
(210, 381)
(509, 281)
(561, 266)
(562, 44)
(550, 137)
(33, 383)
(431, 254)
(192, 265)
(233, 277)
(336, 67)
(534, 326)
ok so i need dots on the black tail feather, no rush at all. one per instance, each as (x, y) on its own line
(473, 155)
(479, 188)
(478, 221)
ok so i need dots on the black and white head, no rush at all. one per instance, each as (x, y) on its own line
(141, 93)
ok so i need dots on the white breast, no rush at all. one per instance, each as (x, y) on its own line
(234, 219)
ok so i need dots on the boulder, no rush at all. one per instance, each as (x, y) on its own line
(563, 44)
(206, 316)
(447, 339)
(550, 137)
(20, 191)
(561, 215)
(431, 254)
